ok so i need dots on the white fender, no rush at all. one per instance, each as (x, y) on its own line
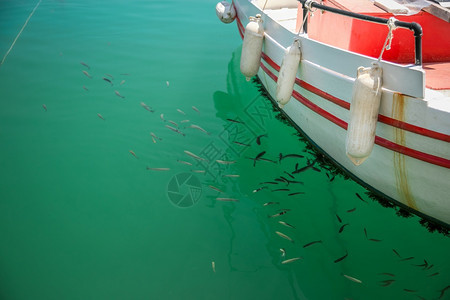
(252, 47)
(225, 12)
(364, 109)
(287, 74)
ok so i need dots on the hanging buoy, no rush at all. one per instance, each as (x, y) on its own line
(252, 47)
(225, 12)
(364, 109)
(288, 72)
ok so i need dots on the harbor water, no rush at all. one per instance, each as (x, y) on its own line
(136, 162)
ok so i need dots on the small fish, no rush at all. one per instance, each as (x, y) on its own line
(195, 108)
(269, 160)
(283, 252)
(153, 140)
(85, 64)
(365, 232)
(132, 153)
(184, 121)
(214, 188)
(284, 236)
(375, 240)
(294, 181)
(386, 283)
(341, 258)
(268, 182)
(281, 190)
(241, 144)
(351, 210)
(290, 155)
(199, 171)
(290, 260)
(122, 82)
(282, 179)
(118, 94)
(158, 169)
(85, 88)
(231, 175)
(213, 265)
(44, 107)
(352, 278)
(258, 189)
(311, 243)
(198, 128)
(424, 265)
(173, 123)
(360, 198)
(227, 199)
(162, 117)
(260, 155)
(180, 111)
(146, 107)
(87, 74)
(154, 135)
(270, 203)
(296, 193)
(388, 274)
(396, 253)
(193, 155)
(407, 258)
(410, 291)
(107, 80)
(167, 83)
(342, 227)
(109, 75)
(225, 162)
(339, 219)
(100, 116)
(258, 138)
(235, 121)
(184, 162)
(175, 130)
(278, 214)
(434, 274)
(286, 224)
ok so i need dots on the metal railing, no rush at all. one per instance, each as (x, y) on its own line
(415, 27)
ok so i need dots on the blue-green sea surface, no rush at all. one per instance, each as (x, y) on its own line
(128, 170)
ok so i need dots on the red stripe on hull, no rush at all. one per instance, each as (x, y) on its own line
(432, 159)
(381, 118)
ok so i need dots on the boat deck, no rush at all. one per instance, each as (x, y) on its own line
(286, 17)
(437, 75)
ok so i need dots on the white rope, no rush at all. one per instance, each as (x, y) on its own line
(303, 24)
(310, 11)
(390, 36)
(20, 32)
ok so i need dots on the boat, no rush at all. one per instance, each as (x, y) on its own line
(367, 82)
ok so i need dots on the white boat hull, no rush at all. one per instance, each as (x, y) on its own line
(410, 162)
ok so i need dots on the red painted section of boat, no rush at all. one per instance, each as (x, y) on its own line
(368, 38)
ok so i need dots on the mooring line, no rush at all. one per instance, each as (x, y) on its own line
(20, 32)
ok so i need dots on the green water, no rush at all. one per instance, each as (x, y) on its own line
(81, 217)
